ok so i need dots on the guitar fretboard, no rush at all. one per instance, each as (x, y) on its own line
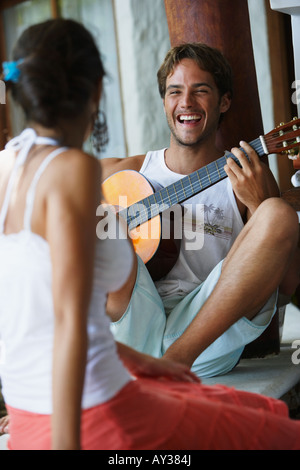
(181, 190)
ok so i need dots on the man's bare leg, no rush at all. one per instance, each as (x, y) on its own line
(257, 264)
(288, 263)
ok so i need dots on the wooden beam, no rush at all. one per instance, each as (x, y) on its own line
(292, 196)
(223, 24)
(54, 8)
(296, 163)
(282, 72)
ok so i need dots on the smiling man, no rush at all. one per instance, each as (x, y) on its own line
(193, 104)
(222, 295)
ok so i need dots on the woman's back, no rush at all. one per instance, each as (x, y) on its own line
(27, 310)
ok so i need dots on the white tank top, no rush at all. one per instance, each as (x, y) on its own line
(211, 223)
(26, 307)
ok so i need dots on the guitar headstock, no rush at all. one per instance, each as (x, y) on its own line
(284, 139)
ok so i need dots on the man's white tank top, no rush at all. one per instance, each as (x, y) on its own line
(27, 313)
(210, 224)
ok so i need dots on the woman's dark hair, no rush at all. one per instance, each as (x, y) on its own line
(60, 69)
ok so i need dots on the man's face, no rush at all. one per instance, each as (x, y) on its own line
(192, 103)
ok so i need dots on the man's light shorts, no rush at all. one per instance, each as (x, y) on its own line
(146, 327)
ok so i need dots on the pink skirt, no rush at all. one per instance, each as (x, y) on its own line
(152, 414)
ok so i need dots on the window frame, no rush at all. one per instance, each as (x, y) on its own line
(5, 123)
(117, 145)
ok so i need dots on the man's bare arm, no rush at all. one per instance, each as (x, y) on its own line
(252, 183)
(112, 165)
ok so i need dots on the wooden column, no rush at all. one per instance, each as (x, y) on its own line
(283, 73)
(223, 24)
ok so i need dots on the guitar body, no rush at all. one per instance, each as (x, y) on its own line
(122, 190)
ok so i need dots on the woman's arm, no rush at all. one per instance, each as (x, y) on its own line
(70, 231)
(142, 365)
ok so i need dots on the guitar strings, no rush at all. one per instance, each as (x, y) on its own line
(145, 213)
(188, 191)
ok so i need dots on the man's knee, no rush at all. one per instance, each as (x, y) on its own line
(279, 219)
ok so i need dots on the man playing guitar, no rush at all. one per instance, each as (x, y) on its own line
(221, 295)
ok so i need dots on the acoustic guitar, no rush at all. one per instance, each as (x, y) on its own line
(146, 211)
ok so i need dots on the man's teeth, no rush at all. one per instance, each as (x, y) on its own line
(192, 117)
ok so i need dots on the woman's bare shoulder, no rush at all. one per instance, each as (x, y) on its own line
(75, 161)
(71, 174)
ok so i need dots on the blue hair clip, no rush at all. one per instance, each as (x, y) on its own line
(11, 72)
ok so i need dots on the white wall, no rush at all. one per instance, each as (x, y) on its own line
(258, 23)
(143, 41)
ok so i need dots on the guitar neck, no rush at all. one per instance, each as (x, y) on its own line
(182, 189)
